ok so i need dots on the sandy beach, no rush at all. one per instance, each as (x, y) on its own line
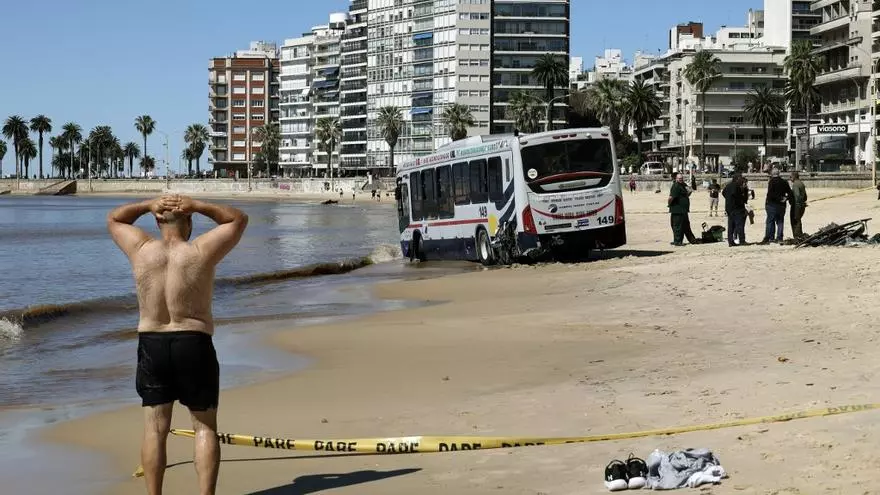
(647, 336)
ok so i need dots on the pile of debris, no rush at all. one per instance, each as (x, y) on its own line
(848, 234)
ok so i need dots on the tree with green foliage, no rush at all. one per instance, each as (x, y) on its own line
(701, 73)
(457, 118)
(390, 124)
(641, 105)
(765, 108)
(802, 66)
(16, 129)
(269, 136)
(131, 151)
(551, 71)
(196, 136)
(525, 110)
(72, 134)
(606, 100)
(328, 132)
(28, 152)
(2, 154)
(145, 125)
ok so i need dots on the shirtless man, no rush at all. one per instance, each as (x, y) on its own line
(176, 358)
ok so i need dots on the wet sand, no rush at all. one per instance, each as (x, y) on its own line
(647, 336)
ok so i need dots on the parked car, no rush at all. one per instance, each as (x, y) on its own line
(652, 168)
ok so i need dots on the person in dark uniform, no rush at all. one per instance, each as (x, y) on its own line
(735, 197)
(679, 203)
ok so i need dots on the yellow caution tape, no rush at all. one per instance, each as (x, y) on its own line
(427, 444)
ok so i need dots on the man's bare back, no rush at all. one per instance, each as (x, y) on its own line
(174, 279)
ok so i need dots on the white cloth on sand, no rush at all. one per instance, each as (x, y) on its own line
(690, 467)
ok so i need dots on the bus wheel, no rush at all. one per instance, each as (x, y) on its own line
(484, 248)
(415, 248)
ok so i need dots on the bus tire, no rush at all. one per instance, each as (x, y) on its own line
(415, 248)
(485, 252)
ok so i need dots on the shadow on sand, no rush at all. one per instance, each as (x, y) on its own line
(319, 482)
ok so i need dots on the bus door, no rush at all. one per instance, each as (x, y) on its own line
(402, 195)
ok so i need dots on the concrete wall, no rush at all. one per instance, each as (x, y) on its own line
(281, 186)
(819, 181)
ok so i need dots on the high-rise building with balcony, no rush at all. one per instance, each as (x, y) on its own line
(243, 95)
(310, 68)
(424, 55)
(521, 33)
(353, 91)
(845, 48)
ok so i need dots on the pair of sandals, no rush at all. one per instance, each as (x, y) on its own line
(629, 475)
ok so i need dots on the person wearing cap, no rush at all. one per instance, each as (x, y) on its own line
(778, 192)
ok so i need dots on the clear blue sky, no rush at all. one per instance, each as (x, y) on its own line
(104, 62)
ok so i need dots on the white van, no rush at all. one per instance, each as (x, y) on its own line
(652, 168)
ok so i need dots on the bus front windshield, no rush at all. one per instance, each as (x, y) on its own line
(561, 161)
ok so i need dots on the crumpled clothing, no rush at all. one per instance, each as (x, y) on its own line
(684, 468)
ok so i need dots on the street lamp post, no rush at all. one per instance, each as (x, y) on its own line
(550, 111)
(684, 131)
(167, 169)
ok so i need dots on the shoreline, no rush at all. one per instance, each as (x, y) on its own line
(644, 337)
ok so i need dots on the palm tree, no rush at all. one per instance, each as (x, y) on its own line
(72, 133)
(16, 129)
(196, 135)
(458, 118)
(28, 152)
(145, 125)
(390, 123)
(641, 105)
(765, 108)
(2, 154)
(41, 124)
(701, 73)
(269, 137)
(131, 151)
(606, 100)
(802, 67)
(328, 132)
(57, 144)
(187, 154)
(525, 111)
(118, 156)
(552, 72)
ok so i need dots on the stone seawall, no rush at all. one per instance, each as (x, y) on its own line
(819, 181)
(190, 186)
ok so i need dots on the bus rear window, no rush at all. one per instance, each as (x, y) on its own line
(561, 157)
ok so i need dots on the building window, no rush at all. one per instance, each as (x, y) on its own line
(238, 143)
(239, 90)
(239, 129)
(258, 76)
(257, 103)
(238, 103)
(238, 156)
(257, 90)
(238, 76)
(238, 116)
(257, 116)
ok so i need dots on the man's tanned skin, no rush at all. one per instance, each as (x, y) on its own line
(174, 279)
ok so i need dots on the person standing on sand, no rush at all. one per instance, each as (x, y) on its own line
(714, 190)
(798, 200)
(679, 203)
(174, 279)
(778, 192)
(735, 197)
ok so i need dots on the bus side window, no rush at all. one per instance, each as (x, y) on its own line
(415, 188)
(507, 175)
(462, 184)
(429, 194)
(479, 185)
(496, 181)
(445, 204)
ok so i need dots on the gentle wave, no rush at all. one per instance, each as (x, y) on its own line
(12, 322)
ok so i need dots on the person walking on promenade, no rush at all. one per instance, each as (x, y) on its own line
(735, 197)
(714, 190)
(679, 206)
(778, 192)
(632, 184)
(176, 359)
(798, 200)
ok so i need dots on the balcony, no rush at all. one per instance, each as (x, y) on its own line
(852, 71)
(835, 23)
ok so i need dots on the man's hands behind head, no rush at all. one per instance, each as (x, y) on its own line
(175, 203)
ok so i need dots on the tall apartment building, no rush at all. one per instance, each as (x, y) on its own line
(654, 71)
(424, 55)
(243, 95)
(309, 91)
(845, 34)
(521, 33)
(789, 21)
(353, 91)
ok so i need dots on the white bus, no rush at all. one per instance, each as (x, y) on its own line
(498, 198)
